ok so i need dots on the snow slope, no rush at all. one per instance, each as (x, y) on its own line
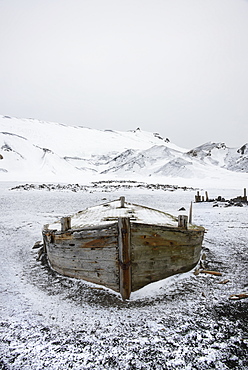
(33, 150)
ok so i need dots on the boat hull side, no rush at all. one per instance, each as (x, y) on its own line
(90, 255)
(158, 252)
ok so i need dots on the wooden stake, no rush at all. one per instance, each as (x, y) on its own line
(245, 196)
(190, 213)
(65, 223)
(122, 199)
(124, 245)
(197, 197)
(183, 221)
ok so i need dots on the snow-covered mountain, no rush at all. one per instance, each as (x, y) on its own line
(40, 151)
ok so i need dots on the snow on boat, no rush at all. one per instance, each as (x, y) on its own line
(122, 246)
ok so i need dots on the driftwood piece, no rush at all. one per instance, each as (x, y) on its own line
(216, 273)
(223, 281)
(238, 296)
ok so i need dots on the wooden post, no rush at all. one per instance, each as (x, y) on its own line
(190, 213)
(124, 245)
(183, 221)
(245, 196)
(197, 197)
(122, 199)
(206, 193)
(65, 223)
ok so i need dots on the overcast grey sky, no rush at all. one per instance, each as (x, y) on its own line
(177, 67)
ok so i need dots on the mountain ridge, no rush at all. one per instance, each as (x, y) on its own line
(39, 149)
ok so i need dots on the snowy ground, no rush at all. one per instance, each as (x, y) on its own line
(186, 322)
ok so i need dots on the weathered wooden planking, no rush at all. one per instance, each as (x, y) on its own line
(88, 267)
(142, 279)
(123, 256)
(155, 253)
(158, 252)
(91, 232)
(97, 238)
(91, 265)
(105, 272)
(97, 277)
(103, 254)
(99, 243)
(92, 255)
(158, 235)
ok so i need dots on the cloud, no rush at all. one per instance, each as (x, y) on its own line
(176, 67)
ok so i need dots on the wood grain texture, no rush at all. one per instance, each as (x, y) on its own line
(158, 252)
(124, 247)
(91, 254)
(124, 256)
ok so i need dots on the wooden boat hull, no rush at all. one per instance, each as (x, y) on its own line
(124, 256)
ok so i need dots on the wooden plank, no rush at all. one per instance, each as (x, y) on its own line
(87, 265)
(97, 277)
(159, 235)
(99, 243)
(103, 254)
(96, 232)
(124, 246)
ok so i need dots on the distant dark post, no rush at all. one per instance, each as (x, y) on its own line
(124, 244)
(245, 196)
(197, 197)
